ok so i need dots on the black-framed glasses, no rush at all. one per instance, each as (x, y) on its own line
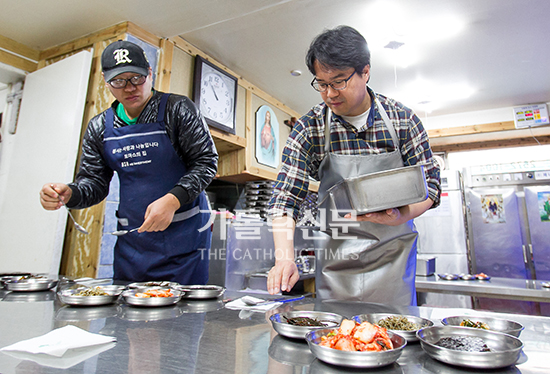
(136, 80)
(336, 85)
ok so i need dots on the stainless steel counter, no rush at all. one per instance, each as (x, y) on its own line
(204, 337)
(500, 288)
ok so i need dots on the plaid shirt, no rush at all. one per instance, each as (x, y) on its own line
(305, 149)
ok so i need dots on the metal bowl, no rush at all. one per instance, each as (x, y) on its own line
(70, 297)
(545, 284)
(29, 297)
(85, 313)
(448, 276)
(32, 284)
(202, 291)
(467, 277)
(505, 349)
(354, 359)
(482, 277)
(290, 351)
(495, 324)
(163, 284)
(319, 367)
(149, 314)
(284, 328)
(409, 335)
(131, 298)
(201, 306)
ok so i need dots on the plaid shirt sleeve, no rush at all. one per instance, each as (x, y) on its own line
(300, 161)
(414, 144)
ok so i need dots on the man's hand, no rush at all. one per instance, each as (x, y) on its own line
(159, 213)
(390, 217)
(283, 276)
(396, 216)
(50, 194)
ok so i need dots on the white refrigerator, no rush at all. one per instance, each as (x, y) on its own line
(442, 234)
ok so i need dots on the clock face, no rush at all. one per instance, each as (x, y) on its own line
(215, 94)
(216, 98)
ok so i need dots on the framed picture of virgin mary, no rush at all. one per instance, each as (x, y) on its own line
(267, 137)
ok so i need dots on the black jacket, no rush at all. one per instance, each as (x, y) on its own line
(188, 133)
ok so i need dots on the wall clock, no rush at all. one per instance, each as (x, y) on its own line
(215, 94)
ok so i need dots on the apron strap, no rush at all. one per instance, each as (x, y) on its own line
(162, 107)
(109, 122)
(328, 119)
(388, 123)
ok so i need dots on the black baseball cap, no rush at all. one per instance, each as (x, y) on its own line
(123, 57)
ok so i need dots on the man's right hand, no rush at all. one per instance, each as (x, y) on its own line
(282, 277)
(50, 193)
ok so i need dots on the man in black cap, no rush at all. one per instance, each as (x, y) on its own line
(164, 155)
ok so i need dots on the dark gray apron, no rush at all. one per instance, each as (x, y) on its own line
(379, 265)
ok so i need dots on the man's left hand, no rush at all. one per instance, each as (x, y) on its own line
(159, 213)
(390, 217)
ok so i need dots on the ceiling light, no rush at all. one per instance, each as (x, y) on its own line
(394, 45)
(295, 73)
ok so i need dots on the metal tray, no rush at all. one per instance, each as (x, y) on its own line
(505, 349)
(202, 291)
(30, 285)
(131, 298)
(410, 335)
(279, 323)
(69, 296)
(495, 324)
(379, 191)
(354, 359)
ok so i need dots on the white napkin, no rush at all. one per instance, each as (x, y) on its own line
(71, 358)
(239, 304)
(58, 341)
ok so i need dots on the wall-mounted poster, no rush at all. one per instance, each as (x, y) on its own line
(267, 137)
(151, 52)
(492, 208)
(544, 206)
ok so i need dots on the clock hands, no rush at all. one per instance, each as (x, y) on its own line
(213, 90)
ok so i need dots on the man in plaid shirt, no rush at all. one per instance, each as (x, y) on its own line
(360, 134)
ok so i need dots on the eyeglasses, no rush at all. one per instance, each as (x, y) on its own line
(136, 80)
(336, 85)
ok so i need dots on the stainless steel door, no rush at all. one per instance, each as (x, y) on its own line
(537, 200)
(494, 222)
(441, 230)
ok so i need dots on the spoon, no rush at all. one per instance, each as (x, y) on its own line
(78, 227)
(122, 232)
(253, 301)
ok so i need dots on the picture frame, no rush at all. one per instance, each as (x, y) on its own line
(267, 137)
(215, 95)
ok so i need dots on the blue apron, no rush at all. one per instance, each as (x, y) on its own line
(148, 167)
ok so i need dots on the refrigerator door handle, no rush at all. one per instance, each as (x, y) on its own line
(530, 246)
(523, 250)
